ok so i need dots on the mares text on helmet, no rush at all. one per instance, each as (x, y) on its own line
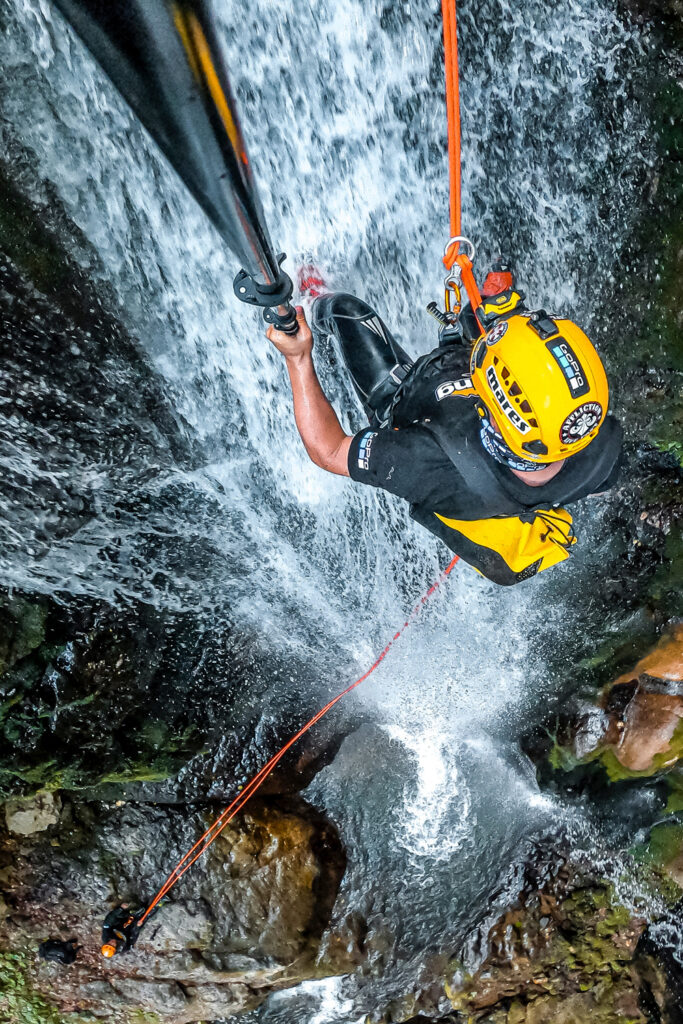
(453, 387)
(516, 420)
(580, 422)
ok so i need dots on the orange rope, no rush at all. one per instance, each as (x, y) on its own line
(471, 288)
(453, 255)
(214, 830)
(450, 45)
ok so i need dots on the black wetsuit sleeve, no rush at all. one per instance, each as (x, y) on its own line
(406, 462)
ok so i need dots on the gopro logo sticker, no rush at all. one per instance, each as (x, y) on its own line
(574, 374)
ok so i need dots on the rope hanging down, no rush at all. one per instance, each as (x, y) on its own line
(453, 255)
(450, 47)
(214, 830)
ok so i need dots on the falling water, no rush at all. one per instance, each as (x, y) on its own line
(344, 117)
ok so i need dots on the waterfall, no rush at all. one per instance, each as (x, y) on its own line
(217, 509)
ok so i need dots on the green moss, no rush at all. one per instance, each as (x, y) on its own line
(582, 973)
(154, 734)
(22, 629)
(675, 801)
(40, 775)
(562, 759)
(160, 748)
(663, 845)
(20, 1003)
(674, 448)
(666, 843)
(46, 775)
(27, 243)
(50, 775)
(8, 704)
(595, 919)
(156, 769)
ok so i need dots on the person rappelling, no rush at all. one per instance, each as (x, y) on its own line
(120, 930)
(494, 430)
(489, 435)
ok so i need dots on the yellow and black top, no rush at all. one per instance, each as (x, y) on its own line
(431, 454)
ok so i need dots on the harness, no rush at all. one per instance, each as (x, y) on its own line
(519, 539)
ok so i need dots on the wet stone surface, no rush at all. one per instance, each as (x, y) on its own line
(567, 951)
(249, 919)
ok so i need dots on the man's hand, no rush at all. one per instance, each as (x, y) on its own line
(293, 346)
(324, 440)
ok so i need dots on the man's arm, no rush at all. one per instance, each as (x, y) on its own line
(321, 432)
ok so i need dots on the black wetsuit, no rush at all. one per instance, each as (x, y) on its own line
(120, 928)
(424, 442)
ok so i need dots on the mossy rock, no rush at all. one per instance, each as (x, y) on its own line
(666, 843)
(22, 629)
(561, 758)
(20, 1003)
(564, 953)
(661, 860)
(675, 801)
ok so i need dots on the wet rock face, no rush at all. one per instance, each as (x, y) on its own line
(565, 953)
(645, 708)
(33, 814)
(661, 12)
(245, 921)
(73, 681)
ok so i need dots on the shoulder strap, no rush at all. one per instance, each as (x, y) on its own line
(434, 376)
(458, 438)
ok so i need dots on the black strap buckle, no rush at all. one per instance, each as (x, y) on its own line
(399, 373)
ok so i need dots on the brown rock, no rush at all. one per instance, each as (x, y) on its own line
(645, 727)
(245, 922)
(650, 722)
(675, 869)
(27, 815)
(665, 661)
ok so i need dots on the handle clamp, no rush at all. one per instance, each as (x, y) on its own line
(275, 299)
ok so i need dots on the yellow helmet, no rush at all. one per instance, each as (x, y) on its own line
(543, 382)
(108, 950)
